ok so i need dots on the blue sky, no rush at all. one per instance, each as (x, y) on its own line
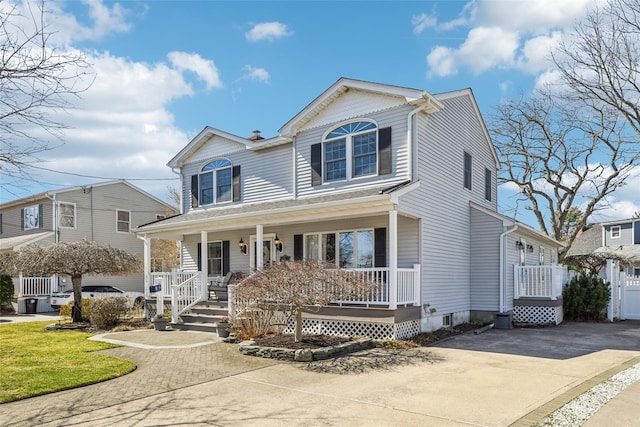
(166, 69)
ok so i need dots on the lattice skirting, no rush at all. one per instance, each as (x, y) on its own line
(353, 328)
(538, 315)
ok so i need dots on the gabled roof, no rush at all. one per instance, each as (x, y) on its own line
(48, 194)
(469, 93)
(411, 96)
(587, 241)
(209, 132)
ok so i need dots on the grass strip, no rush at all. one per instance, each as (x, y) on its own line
(35, 361)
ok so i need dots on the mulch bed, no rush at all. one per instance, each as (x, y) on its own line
(319, 341)
(308, 341)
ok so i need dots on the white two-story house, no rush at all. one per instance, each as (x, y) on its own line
(393, 182)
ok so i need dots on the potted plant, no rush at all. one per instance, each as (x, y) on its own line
(159, 322)
(223, 327)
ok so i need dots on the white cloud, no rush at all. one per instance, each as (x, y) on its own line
(506, 35)
(205, 69)
(422, 22)
(268, 31)
(259, 74)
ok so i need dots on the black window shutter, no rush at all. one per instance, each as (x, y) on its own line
(380, 246)
(384, 151)
(226, 260)
(236, 183)
(298, 252)
(40, 216)
(194, 191)
(199, 256)
(316, 164)
(22, 218)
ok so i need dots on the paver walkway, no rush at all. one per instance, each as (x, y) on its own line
(160, 370)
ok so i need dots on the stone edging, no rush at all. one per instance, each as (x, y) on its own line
(307, 355)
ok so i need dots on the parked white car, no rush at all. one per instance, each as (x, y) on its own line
(135, 299)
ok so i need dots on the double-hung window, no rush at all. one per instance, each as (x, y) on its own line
(215, 182)
(616, 231)
(123, 221)
(351, 151)
(67, 215)
(346, 249)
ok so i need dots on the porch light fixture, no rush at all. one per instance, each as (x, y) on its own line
(278, 243)
(530, 248)
(519, 245)
(243, 246)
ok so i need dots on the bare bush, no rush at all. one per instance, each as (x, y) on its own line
(107, 312)
(283, 290)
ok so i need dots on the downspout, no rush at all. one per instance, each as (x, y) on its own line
(503, 266)
(56, 236)
(410, 134)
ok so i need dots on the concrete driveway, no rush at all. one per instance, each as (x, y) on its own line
(496, 378)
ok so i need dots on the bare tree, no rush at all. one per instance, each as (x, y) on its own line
(75, 259)
(564, 159)
(292, 286)
(593, 263)
(36, 81)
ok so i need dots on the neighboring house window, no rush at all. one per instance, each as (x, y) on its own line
(467, 170)
(351, 150)
(123, 219)
(67, 215)
(217, 182)
(636, 271)
(32, 217)
(615, 231)
(487, 184)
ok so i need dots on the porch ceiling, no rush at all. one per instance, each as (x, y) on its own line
(274, 213)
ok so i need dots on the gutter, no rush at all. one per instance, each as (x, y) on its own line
(503, 265)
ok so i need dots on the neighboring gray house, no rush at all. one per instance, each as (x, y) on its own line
(394, 183)
(106, 213)
(618, 237)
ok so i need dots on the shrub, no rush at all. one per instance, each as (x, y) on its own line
(6, 291)
(65, 310)
(106, 312)
(585, 297)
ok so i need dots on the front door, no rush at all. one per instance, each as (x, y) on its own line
(268, 255)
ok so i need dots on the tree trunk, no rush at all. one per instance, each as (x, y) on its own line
(76, 310)
(298, 337)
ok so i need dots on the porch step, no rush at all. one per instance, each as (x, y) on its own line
(203, 317)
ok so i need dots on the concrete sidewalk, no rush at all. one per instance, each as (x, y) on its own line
(189, 379)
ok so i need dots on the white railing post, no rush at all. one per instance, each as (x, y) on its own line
(21, 284)
(516, 282)
(417, 280)
(393, 259)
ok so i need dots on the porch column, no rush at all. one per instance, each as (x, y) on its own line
(204, 262)
(146, 250)
(259, 249)
(393, 258)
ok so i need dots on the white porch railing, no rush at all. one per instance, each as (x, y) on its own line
(37, 286)
(183, 288)
(538, 281)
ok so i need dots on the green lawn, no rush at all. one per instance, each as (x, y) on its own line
(34, 361)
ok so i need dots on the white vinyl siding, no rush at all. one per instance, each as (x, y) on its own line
(396, 118)
(443, 203)
(264, 175)
(485, 265)
(619, 234)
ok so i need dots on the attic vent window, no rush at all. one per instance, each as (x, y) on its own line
(351, 128)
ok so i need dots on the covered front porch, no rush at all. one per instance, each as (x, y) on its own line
(366, 236)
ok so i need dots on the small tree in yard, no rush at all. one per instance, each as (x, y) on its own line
(290, 287)
(75, 259)
(585, 297)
